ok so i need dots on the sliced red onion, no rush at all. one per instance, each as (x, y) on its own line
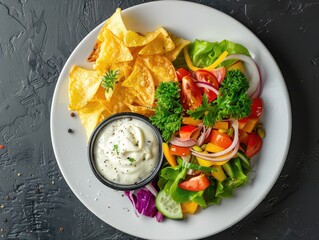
(207, 86)
(254, 77)
(203, 136)
(208, 133)
(227, 150)
(150, 187)
(257, 92)
(218, 159)
(183, 143)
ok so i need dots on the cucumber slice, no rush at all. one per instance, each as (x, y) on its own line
(167, 206)
(245, 161)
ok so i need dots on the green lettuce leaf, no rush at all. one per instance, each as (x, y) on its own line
(204, 53)
(238, 178)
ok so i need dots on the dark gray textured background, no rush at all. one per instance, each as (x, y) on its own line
(36, 38)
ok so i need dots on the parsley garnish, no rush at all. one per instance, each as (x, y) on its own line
(169, 110)
(131, 159)
(109, 79)
(232, 101)
(116, 149)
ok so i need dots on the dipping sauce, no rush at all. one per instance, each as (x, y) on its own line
(126, 151)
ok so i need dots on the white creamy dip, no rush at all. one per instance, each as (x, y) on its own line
(126, 151)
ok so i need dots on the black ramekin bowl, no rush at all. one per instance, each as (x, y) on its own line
(117, 186)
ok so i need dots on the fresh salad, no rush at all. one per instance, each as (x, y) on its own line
(211, 129)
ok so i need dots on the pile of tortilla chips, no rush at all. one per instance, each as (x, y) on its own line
(142, 62)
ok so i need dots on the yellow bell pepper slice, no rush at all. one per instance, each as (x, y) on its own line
(237, 66)
(189, 207)
(217, 61)
(211, 147)
(169, 157)
(203, 162)
(219, 174)
(221, 125)
(191, 121)
(188, 60)
(250, 125)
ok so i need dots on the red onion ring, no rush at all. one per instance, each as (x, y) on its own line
(227, 150)
(254, 79)
(208, 86)
(257, 92)
(151, 188)
(203, 136)
(220, 159)
(183, 143)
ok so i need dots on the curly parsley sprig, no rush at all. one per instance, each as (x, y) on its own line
(232, 101)
(169, 110)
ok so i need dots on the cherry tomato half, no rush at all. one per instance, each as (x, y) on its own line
(197, 183)
(256, 108)
(186, 131)
(254, 143)
(219, 73)
(191, 95)
(206, 76)
(181, 72)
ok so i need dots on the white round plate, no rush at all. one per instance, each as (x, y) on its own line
(190, 21)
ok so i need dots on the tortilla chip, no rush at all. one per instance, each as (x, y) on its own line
(90, 116)
(100, 94)
(104, 115)
(120, 96)
(83, 85)
(95, 52)
(161, 68)
(124, 69)
(134, 39)
(146, 111)
(112, 51)
(114, 24)
(160, 45)
(142, 82)
(179, 43)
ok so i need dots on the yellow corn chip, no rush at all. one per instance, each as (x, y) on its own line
(115, 24)
(112, 51)
(90, 116)
(142, 82)
(179, 43)
(121, 96)
(161, 44)
(83, 85)
(161, 68)
(124, 69)
(134, 39)
(141, 110)
(95, 52)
